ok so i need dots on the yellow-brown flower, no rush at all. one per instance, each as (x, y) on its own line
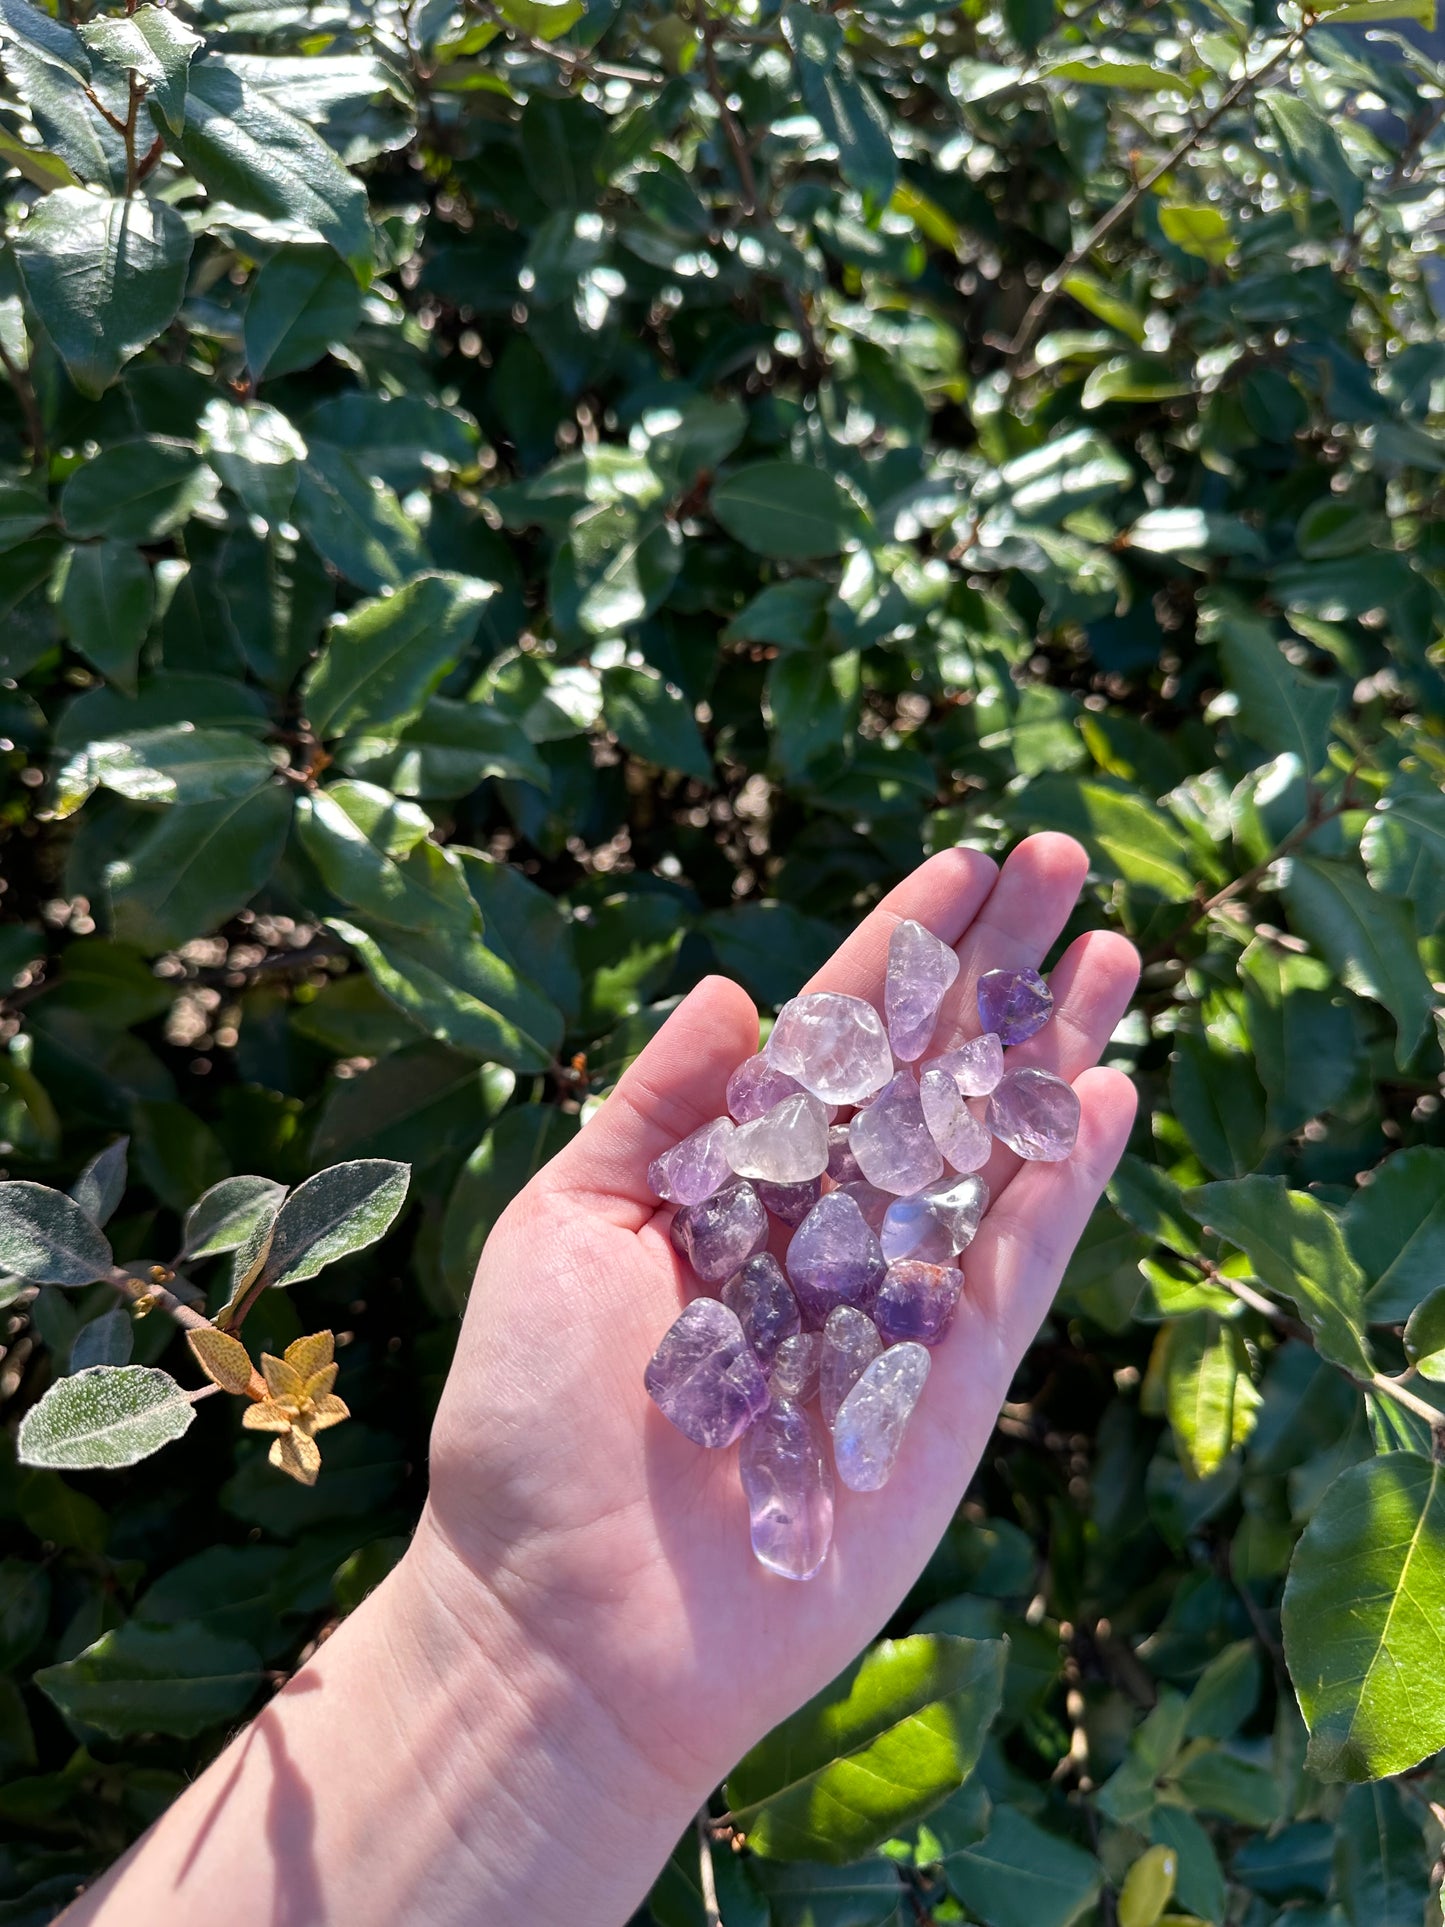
(299, 1403)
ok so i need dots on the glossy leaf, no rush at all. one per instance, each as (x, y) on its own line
(787, 510)
(177, 1680)
(107, 597)
(384, 658)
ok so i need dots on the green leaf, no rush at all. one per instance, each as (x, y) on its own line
(788, 510)
(877, 1749)
(180, 764)
(101, 1185)
(1304, 1032)
(1362, 1614)
(843, 106)
(107, 597)
(338, 1211)
(1280, 708)
(654, 720)
(301, 301)
(526, 927)
(43, 170)
(107, 1417)
(384, 658)
(345, 832)
(24, 1609)
(769, 947)
(1199, 229)
(179, 1680)
(1298, 1250)
(255, 451)
(1125, 836)
(1217, 1098)
(423, 1100)
(1403, 845)
(224, 1217)
(614, 568)
(1194, 534)
(511, 1153)
(155, 46)
(107, 1340)
(1395, 1228)
(1367, 939)
(445, 751)
(47, 1238)
(356, 525)
(247, 151)
(1136, 76)
(1377, 11)
(137, 491)
(807, 1893)
(1312, 150)
(1020, 1875)
(1211, 1402)
(626, 948)
(812, 707)
(1381, 1874)
(197, 865)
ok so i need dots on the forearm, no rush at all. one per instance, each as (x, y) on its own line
(425, 1766)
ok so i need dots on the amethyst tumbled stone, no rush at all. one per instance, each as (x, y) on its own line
(835, 1047)
(951, 1124)
(833, 1258)
(718, 1236)
(790, 1202)
(850, 1345)
(975, 1067)
(694, 1169)
(705, 1376)
(795, 1367)
(763, 1300)
(786, 1145)
(788, 1483)
(891, 1140)
(916, 1301)
(1014, 1003)
(868, 1429)
(756, 1086)
(1036, 1114)
(920, 970)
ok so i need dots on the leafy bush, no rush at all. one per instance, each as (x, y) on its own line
(510, 507)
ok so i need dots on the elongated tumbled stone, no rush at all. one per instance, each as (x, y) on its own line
(920, 969)
(868, 1429)
(959, 1205)
(756, 1086)
(763, 1300)
(790, 1202)
(795, 1367)
(850, 1345)
(975, 1066)
(842, 1165)
(718, 1236)
(1014, 1003)
(891, 1140)
(1036, 1114)
(833, 1257)
(705, 1376)
(951, 1124)
(916, 1301)
(695, 1168)
(789, 1487)
(786, 1145)
(911, 1230)
(835, 1046)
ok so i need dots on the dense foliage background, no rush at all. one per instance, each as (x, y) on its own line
(509, 507)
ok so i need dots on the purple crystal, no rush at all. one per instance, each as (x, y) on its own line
(833, 1258)
(868, 1429)
(842, 1165)
(916, 1301)
(790, 1202)
(975, 1066)
(1036, 1114)
(718, 1236)
(872, 1202)
(911, 1230)
(891, 1141)
(695, 1168)
(786, 1145)
(763, 1300)
(795, 1367)
(705, 1377)
(958, 1204)
(1015, 1003)
(835, 1046)
(951, 1124)
(920, 970)
(789, 1488)
(756, 1086)
(850, 1345)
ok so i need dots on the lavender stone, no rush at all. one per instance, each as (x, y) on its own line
(795, 1367)
(705, 1377)
(718, 1236)
(975, 1066)
(891, 1139)
(756, 1086)
(951, 1124)
(850, 1345)
(790, 1202)
(786, 1145)
(958, 1204)
(834, 1046)
(833, 1258)
(911, 1230)
(842, 1165)
(1036, 1114)
(1014, 1003)
(872, 1202)
(916, 1301)
(868, 1429)
(920, 970)
(763, 1300)
(789, 1488)
(695, 1168)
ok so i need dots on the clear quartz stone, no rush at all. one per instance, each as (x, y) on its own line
(835, 1046)
(958, 1204)
(869, 1426)
(850, 1344)
(718, 1236)
(892, 1142)
(920, 970)
(705, 1376)
(911, 1230)
(833, 1258)
(786, 1145)
(695, 1168)
(1014, 1003)
(756, 1086)
(951, 1124)
(1035, 1114)
(764, 1303)
(788, 1483)
(975, 1066)
(916, 1301)
(795, 1367)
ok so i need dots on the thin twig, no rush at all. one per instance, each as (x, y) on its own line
(29, 406)
(707, 1878)
(573, 59)
(154, 1294)
(742, 159)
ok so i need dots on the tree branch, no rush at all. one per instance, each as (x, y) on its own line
(154, 1293)
(29, 406)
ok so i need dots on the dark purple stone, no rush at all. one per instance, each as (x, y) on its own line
(705, 1376)
(834, 1258)
(842, 1165)
(718, 1236)
(766, 1308)
(790, 1202)
(1014, 1003)
(916, 1301)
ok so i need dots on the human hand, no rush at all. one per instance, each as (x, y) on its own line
(614, 1546)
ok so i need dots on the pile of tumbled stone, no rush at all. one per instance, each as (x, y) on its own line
(874, 1166)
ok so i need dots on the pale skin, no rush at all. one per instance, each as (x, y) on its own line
(522, 1720)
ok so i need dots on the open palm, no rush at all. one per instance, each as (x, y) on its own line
(614, 1543)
